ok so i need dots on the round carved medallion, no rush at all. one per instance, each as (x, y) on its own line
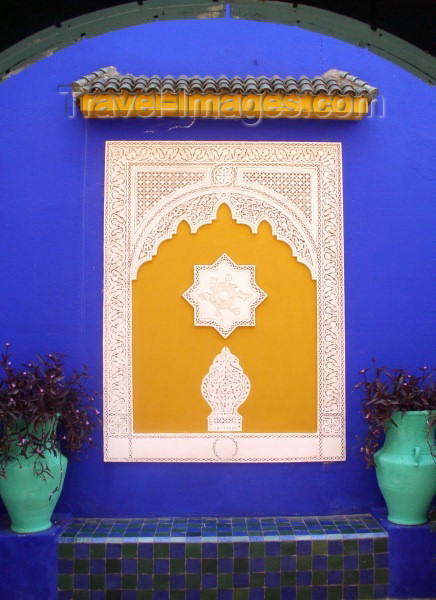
(224, 175)
(225, 447)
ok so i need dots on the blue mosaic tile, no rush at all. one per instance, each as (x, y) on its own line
(113, 550)
(351, 562)
(319, 563)
(208, 580)
(272, 549)
(145, 550)
(304, 547)
(272, 579)
(97, 566)
(177, 582)
(335, 547)
(66, 566)
(145, 582)
(334, 577)
(225, 565)
(81, 581)
(177, 550)
(351, 592)
(288, 563)
(304, 578)
(113, 581)
(256, 594)
(366, 546)
(366, 576)
(241, 549)
(381, 561)
(161, 566)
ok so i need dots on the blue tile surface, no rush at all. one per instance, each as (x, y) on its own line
(215, 529)
(265, 558)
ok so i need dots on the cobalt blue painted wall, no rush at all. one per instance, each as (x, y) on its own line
(411, 558)
(39, 552)
(51, 243)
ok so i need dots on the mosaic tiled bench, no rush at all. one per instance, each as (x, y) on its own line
(280, 558)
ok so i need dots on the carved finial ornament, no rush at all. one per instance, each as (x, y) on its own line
(225, 388)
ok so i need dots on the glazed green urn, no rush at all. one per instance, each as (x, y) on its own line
(32, 487)
(406, 469)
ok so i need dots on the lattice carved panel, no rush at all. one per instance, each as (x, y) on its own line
(295, 187)
(150, 188)
(154, 186)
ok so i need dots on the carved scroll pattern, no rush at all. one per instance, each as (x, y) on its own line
(323, 256)
(331, 299)
(215, 153)
(117, 304)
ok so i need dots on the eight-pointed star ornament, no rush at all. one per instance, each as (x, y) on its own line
(224, 295)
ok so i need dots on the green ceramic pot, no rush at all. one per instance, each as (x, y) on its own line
(406, 470)
(29, 499)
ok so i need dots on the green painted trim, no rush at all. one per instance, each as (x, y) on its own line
(380, 42)
(52, 39)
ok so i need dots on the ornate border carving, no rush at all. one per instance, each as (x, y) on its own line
(218, 174)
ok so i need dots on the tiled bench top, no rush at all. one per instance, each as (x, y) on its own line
(232, 529)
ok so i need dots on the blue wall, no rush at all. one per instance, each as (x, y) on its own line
(51, 224)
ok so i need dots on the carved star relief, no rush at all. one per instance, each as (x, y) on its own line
(224, 295)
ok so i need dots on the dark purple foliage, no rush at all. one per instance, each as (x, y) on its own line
(32, 399)
(389, 392)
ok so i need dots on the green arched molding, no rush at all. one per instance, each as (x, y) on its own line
(50, 40)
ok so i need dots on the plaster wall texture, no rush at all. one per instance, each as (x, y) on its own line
(51, 226)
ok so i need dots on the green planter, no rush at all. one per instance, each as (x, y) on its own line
(30, 499)
(406, 470)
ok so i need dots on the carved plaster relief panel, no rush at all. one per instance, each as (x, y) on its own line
(225, 388)
(224, 295)
(150, 188)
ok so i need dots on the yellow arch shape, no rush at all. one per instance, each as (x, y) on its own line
(170, 356)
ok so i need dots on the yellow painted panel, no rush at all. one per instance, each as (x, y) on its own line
(241, 106)
(171, 355)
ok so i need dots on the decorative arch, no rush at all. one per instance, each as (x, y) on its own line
(150, 188)
(248, 207)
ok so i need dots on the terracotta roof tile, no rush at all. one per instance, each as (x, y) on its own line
(334, 82)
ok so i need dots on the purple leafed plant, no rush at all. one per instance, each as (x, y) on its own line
(43, 409)
(389, 392)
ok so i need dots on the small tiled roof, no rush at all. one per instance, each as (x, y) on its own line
(338, 83)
